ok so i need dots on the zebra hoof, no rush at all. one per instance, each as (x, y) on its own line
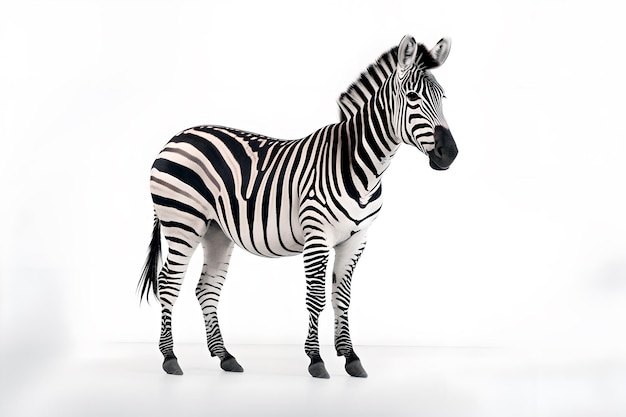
(354, 368)
(230, 364)
(170, 365)
(318, 370)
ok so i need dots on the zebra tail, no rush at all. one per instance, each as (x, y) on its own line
(148, 281)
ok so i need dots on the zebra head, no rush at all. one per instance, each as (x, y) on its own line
(417, 102)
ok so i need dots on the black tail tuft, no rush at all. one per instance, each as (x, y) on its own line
(148, 280)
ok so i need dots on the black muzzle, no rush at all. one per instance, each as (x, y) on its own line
(442, 156)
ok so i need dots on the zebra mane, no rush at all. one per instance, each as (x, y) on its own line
(359, 92)
(364, 88)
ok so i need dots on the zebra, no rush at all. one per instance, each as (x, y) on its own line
(219, 187)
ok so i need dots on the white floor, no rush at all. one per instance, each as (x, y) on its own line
(126, 380)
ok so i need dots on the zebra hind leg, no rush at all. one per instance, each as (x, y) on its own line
(170, 280)
(217, 251)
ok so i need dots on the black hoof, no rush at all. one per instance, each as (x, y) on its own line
(230, 364)
(317, 368)
(170, 365)
(355, 368)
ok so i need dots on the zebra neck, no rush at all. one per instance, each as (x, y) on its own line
(371, 147)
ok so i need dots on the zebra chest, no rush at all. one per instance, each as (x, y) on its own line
(341, 216)
(359, 214)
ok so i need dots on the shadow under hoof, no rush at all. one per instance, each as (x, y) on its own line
(354, 368)
(318, 370)
(230, 364)
(170, 365)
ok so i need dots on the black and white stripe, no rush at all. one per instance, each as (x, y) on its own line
(221, 187)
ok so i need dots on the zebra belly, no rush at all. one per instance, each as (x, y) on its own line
(276, 237)
(264, 230)
(272, 227)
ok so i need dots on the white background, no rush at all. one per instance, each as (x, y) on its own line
(521, 243)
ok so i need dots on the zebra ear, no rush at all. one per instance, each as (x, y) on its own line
(441, 50)
(407, 51)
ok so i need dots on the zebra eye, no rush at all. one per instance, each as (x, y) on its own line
(412, 95)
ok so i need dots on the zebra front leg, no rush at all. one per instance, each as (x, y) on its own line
(347, 255)
(217, 251)
(315, 260)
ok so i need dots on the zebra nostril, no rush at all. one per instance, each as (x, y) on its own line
(439, 151)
